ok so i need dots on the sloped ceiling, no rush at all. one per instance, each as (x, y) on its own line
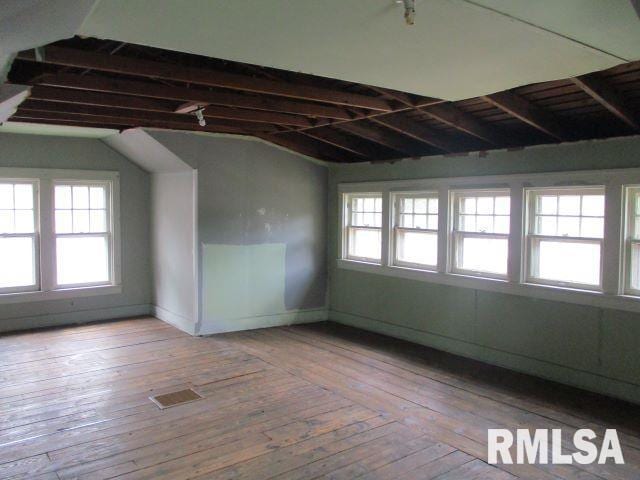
(456, 49)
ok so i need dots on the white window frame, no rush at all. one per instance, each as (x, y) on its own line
(614, 293)
(45, 208)
(630, 192)
(533, 238)
(108, 186)
(457, 236)
(396, 198)
(347, 227)
(35, 235)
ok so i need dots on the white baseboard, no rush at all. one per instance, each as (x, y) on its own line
(72, 318)
(212, 326)
(539, 368)
(181, 322)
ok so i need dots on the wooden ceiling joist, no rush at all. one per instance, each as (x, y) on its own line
(397, 143)
(159, 70)
(609, 98)
(416, 131)
(301, 143)
(350, 143)
(529, 113)
(200, 96)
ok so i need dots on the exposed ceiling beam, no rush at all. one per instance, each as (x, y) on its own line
(416, 131)
(212, 78)
(451, 115)
(249, 119)
(529, 113)
(608, 97)
(95, 120)
(310, 147)
(400, 144)
(350, 143)
(199, 96)
(131, 116)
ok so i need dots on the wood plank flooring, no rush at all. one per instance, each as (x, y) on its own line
(304, 402)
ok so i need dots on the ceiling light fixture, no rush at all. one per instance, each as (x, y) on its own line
(199, 115)
(409, 11)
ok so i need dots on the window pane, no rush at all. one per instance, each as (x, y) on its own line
(6, 221)
(419, 221)
(420, 205)
(485, 205)
(407, 205)
(635, 266)
(592, 227)
(547, 226)
(97, 197)
(407, 221)
(468, 205)
(433, 205)
(24, 221)
(547, 204)
(569, 226)
(17, 261)
(569, 205)
(501, 225)
(484, 223)
(378, 205)
(503, 205)
(573, 262)
(369, 204)
(64, 223)
(467, 223)
(6, 196)
(484, 255)
(432, 222)
(81, 221)
(417, 247)
(82, 260)
(593, 205)
(80, 197)
(23, 196)
(365, 243)
(63, 197)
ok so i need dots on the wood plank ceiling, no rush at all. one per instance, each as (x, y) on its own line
(102, 83)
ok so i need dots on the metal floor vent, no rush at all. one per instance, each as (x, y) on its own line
(173, 399)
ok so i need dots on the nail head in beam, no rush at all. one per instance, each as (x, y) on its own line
(152, 69)
(601, 91)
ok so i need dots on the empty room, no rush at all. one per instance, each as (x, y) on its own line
(304, 239)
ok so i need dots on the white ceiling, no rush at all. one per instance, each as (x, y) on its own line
(456, 49)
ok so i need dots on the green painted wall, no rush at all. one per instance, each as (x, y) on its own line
(589, 347)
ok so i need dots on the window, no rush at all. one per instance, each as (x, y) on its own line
(565, 235)
(18, 236)
(416, 230)
(58, 233)
(364, 227)
(82, 229)
(480, 236)
(632, 254)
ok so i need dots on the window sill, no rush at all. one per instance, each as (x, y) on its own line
(25, 297)
(531, 290)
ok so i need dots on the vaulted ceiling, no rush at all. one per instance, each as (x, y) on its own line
(105, 83)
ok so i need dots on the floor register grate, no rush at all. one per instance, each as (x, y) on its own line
(174, 399)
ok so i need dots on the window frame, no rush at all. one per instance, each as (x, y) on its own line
(46, 179)
(108, 234)
(396, 197)
(530, 238)
(347, 227)
(35, 235)
(628, 240)
(456, 236)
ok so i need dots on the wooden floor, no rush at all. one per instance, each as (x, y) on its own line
(296, 403)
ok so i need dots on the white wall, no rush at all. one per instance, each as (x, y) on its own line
(173, 248)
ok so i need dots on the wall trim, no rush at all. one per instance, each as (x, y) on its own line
(292, 317)
(181, 322)
(519, 363)
(73, 318)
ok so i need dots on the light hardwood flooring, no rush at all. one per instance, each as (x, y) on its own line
(314, 401)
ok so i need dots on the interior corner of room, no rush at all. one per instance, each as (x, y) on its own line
(421, 212)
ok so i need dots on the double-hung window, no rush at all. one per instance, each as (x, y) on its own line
(415, 231)
(632, 241)
(363, 224)
(58, 232)
(19, 253)
(480, 232)
(565, 236)
(83, 233)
